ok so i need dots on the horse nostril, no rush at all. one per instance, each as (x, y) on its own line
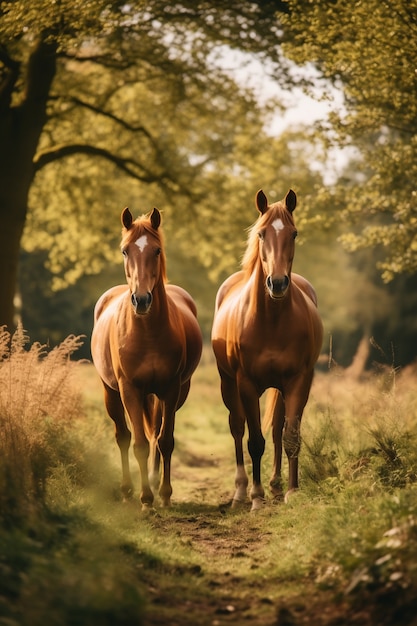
(134, 300)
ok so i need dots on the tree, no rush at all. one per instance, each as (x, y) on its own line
(66, 60)
(369, 50)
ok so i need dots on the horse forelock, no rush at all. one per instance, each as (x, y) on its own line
(141, 226)
(275, 211)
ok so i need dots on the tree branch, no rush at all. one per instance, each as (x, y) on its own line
(129, 166)
(112, 116)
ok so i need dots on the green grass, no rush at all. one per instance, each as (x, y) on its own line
(72, 553)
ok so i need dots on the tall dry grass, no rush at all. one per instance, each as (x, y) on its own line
(362, 428)
(38, 403)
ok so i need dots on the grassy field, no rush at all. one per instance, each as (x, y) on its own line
(72, 553)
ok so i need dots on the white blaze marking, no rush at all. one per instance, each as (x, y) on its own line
(278, 225)
(142, 242)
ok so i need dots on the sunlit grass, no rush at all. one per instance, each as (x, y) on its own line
(351, 528)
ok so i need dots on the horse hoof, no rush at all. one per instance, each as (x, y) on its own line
(289, 495)
(127, 493)
(238, 504)
(147, 508)
(258, 504)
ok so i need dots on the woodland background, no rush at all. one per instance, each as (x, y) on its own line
(106, 104)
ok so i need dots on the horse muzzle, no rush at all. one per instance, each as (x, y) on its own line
(277, 287)
(142, 303)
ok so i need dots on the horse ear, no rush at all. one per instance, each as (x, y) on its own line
(155, 219)
(261, 202)
(127, 219)
(291, 201)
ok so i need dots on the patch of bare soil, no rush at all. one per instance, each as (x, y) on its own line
(211, 594)
(216, 596)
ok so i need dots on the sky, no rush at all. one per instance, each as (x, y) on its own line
(299, 107)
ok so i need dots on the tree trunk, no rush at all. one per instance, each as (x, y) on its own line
(358, 365)
(21, 125)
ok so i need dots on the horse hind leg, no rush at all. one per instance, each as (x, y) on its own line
(123, 436)
(170, 403)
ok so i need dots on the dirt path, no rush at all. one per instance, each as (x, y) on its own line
(202, 564)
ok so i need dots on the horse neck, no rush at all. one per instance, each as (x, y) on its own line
(159, 307)
(158, 315)
(261, 302)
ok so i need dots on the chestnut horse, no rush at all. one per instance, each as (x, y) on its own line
(267, 333)
(146, 344)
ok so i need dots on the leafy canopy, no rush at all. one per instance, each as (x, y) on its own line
(369, 49)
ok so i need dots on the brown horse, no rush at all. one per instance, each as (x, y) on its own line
(146, 344)
(267, 333)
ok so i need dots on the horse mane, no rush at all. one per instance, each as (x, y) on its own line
(140, 226)
(251, 255)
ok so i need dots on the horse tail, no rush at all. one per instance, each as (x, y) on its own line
(270, 403)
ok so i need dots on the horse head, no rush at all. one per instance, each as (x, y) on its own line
(276, 233)
(144, 261)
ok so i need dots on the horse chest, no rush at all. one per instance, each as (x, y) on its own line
(151, 365)
(272, 359)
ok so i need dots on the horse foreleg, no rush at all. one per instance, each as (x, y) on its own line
(278, 420)
(256, 443)
(237, 429)
(153, 413)
(116, 411)
(292, 445)
(295, 401)
(166, 440)
(133, 402)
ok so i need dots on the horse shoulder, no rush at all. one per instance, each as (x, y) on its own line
(102, 346)
(108, 298)
(181, 297)
(185, 318)
(227, 287)
(305, 286)
(308, 302)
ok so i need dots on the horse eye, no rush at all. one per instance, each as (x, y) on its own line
(261, 235)
(124, 252)
(295, 234)
(158, 251)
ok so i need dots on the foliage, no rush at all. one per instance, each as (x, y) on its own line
(369, 50)
(140, 90)
(342, 549)
(51, 566)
